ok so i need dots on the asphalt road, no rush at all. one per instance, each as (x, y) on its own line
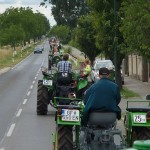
(20, 127)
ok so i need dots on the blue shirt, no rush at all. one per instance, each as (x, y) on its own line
(64, 66)
(103, 95)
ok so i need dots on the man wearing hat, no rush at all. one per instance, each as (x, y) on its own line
(103, 95)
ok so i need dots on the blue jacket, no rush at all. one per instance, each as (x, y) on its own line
(103, 95)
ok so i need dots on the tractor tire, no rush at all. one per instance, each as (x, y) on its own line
(143, 133)
(42, 99)
(49, 64)
(64, 137)
(139, 133)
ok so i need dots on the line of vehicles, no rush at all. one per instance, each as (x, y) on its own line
(101, 130)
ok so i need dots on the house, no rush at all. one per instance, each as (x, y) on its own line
(137, 67)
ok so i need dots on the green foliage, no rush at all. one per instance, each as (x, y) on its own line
(18, 25)
(67, 12)
(136, 26)
(85, 37)
(62, 33)
(68, 50)
(126, 93)
(12, 35)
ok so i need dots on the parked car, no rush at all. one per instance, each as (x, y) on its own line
(103, 63)
(99, 64)
(38, 49)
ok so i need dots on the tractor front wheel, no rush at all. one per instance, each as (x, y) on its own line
(42, 99)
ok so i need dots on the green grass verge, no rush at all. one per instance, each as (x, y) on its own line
(8, 61)
(126, 93)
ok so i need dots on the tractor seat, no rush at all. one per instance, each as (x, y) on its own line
(138, 109)
(102, 118)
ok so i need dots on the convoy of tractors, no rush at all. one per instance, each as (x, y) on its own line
(67, 100)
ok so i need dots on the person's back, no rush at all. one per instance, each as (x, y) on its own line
(64, 65)
(64, 70)
(104, 95)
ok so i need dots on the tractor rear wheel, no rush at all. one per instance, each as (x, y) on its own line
(64, 137)
(143, 133)
(140, 133)
(42, 99)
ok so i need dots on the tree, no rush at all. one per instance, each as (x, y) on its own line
(31, 25)
(105, 27)
(62, 32)
(85, 37)
(12, 35)
(67, 12)
(135, 26)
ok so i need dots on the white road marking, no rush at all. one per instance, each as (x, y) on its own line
(11, 129)
(36, 74)
(19, 113)
(24, 102)
(2, 149)
(31, 87)
(33, 82)
(28, 93)
(35, 78)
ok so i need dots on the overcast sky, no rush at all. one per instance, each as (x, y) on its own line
(4, 4)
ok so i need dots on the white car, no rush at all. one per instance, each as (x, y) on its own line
(99, 64)
(104, 63)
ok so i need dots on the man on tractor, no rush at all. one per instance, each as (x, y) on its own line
(103, 96)
(64, 71)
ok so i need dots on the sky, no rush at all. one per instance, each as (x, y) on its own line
(34, 4)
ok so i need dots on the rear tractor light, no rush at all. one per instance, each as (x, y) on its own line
(59, 112)
(148, 115)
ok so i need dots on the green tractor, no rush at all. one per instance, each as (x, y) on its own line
(48, 88)
(53, 59)
(137, 123)
(68, 121)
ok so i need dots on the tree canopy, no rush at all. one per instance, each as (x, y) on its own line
(19, 25)
(136, 26)
(62, 32)
(85, 37)
(67, 12)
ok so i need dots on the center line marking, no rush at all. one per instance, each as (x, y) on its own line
(11, 129)
(28, 93)
(31, 86)
(35, 78)
(24, 102)
(19, 113)
(33, 82)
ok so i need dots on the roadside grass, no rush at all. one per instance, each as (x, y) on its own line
(126, 93)
(6, 55)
